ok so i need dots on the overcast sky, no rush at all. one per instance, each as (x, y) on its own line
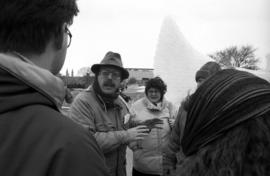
(131, 27)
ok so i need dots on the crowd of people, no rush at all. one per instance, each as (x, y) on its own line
(221, 129)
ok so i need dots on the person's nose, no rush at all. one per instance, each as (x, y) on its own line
(110, 76)
(153, 93)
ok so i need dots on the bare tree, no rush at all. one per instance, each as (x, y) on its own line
(84, 71)
(243, 57)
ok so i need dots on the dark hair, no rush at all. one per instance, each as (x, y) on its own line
(28, 25)
(242, 151)
(207, 70)
(157, 83)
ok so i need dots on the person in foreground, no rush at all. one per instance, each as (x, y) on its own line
(101, 111)
(171, 155)
(147, 153)
(227, 131)
(35, 139)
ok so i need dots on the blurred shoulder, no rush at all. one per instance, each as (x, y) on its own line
(139, 103)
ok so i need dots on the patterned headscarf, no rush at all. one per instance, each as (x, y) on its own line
(225, 100)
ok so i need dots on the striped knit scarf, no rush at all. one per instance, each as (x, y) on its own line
(222, 102)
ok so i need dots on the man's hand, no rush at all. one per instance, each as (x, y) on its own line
(137, 133)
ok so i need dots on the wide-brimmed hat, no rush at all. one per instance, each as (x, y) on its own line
(113, 60)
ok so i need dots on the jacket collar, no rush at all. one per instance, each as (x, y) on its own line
(38, 78)
(159, 107)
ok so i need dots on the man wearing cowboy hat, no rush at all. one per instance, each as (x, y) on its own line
(100, 110)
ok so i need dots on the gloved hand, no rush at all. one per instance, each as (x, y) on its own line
(171, 122)
(152, 123)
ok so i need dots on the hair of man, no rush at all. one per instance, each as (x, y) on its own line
(31, 24)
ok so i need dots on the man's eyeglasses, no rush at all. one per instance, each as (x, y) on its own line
(114, 75)
(69, 36)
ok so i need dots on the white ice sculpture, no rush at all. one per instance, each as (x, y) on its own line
(176, 61)
(268, 62)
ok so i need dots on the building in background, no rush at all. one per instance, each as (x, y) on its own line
(141, 74)
(85, 77)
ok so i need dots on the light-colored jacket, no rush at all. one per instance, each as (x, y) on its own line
(147, 158)
(107, 125)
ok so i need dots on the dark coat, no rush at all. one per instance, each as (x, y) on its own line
(172, 152)
(35, 139)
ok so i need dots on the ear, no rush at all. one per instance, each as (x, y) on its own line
(59, 36)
